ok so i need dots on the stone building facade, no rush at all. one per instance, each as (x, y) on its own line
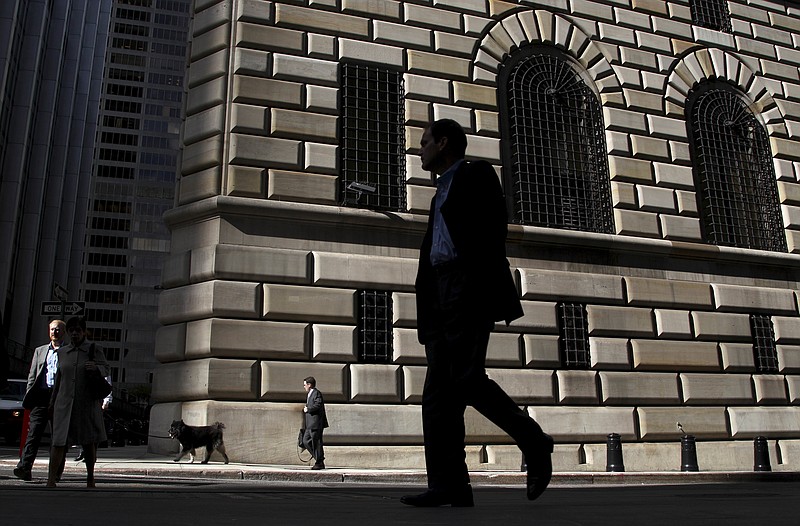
(649, 151)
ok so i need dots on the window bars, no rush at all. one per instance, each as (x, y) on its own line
(734, 174)
(573, 340)
(712, 14)
(375, 339)
(372, 138)
(764, 350)
(555, 145)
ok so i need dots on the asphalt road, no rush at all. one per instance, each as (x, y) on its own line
(121, 501)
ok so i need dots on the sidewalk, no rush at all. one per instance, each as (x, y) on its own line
(136, 461)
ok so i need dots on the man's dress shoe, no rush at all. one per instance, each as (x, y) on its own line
(540, 469)
(432, 498)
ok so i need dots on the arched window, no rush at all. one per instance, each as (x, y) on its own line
(734, 176)
(712, 14)
(554, 144)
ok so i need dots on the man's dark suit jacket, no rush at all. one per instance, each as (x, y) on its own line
(475, 215)
(315, 417)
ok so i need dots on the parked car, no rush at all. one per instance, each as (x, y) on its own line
(11, 411)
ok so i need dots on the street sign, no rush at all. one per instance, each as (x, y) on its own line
(53, 308)
(59, 292)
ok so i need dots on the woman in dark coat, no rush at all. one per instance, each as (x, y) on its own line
(77, 416)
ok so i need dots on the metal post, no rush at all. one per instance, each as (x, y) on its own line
(614, 453)
(688, 453)
(761, 454)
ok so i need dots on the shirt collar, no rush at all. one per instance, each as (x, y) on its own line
(448, 174)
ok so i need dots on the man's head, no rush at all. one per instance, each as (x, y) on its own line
(309, 383)
(443, 143)
(76, 328)
(58, 329)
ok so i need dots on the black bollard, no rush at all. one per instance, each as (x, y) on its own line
(614, 453)
(688, 454)
(761, 455)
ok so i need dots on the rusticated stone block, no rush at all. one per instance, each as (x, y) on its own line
(565, 458)
(788, 358)
(625, 388)
(793, 385)
(202, 155)
(541, 351)
(373, 424)
(753, 299)
(503, 350)
(316, 304)
(374, 383)
(234, 299)
(773, 422)
(674, 324)
(787, 329)
(244, 181)
(667, 293)
(585, 424)
(366, 270)
(333, 343)
(538, 317)
(721, 326)
(170, 343)
(665, 355)
(661, 423)
(574, 286)
(413, 383)
(525, 386)
(283, 381)
(577, 387)
(634, 223)
(238, 262)
(199, 185)
(404, 309)
(609, 353)
(737, 357)
(206, 379)
(769, 388)
(716, 389)
(620, 321)
(407, 348)
(224, 338)
(304, 187)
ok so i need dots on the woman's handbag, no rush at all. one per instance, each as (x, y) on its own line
(97, 386)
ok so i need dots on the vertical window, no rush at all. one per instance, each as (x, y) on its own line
(372, 138)
(554, 144)
(573, 331)
(764, 351)
(375, 326)
(712, 14)
(734, 176)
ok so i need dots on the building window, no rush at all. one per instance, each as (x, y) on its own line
(374, 326)
(573, 335)
(734, 176)
(764, 351)
(712, 14)
(372, 138)
(554, 144)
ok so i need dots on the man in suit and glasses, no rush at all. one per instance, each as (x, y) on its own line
(315, 421)
(464, 285)
(41, 378)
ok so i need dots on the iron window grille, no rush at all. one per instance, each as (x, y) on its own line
(573, 339)
(554, 144)
(764, 350)
(375, 338)
(372, 137)
(734, 175)
(713, 14)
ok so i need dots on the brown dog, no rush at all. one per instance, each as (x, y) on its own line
(191, 437)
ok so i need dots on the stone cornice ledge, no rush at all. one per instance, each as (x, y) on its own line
(517, 234)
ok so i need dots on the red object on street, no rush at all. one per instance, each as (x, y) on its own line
(23, 435)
